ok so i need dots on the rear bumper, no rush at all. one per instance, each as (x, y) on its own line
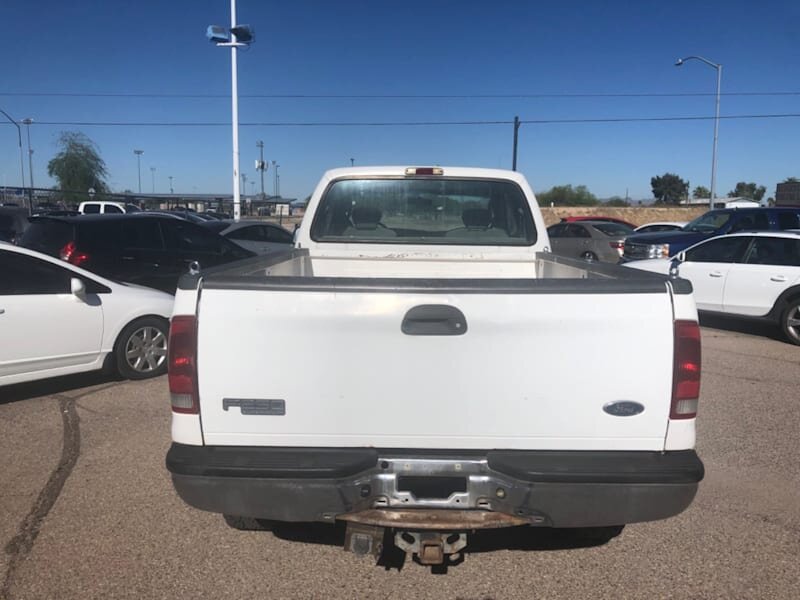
(548, 488)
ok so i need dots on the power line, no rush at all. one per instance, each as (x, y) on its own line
(393, 96)
(408, 123)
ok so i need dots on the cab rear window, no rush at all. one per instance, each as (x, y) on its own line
(424, 211)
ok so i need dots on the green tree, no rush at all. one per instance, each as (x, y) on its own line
(566, 195)
(669, 188)
(78, 167)
(791, 180)
(748, 190)
(701, 192)
(616, 201)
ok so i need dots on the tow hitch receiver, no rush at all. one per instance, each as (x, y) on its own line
(431, 547)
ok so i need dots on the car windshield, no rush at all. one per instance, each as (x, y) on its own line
(710, 221)
(424, 211)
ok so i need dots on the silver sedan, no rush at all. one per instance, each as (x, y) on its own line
(590, 240)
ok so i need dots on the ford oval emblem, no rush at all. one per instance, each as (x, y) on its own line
(623, 408)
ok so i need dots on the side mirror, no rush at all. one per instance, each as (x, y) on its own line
(674, 263)
(77, 288)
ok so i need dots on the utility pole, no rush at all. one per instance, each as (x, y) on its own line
(138, 154)
(262, 166)
(516, 136)
(275, 166)
(153, 175)
(27, 122)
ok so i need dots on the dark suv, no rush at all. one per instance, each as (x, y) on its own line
(663, 244)
(141, 248)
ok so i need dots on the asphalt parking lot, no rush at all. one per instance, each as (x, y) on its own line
(87, 509)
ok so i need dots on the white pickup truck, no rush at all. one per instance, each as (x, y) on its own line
(421, 366)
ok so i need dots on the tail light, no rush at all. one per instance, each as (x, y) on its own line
(71, 254)
(686, 371)
(182, 355)
(618, 246)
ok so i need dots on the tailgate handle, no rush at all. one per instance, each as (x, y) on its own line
(434, 319)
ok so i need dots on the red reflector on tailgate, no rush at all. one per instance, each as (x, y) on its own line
(183, 364)
(686, 371)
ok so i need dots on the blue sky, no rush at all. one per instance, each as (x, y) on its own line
(408, 49)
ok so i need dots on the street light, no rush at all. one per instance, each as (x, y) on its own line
(138, 154)
(171, 191)
(235, 37)
(718, 67)
(27, 122)
(21, 162)
(153, 175)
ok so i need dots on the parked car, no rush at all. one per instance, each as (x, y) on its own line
(711, 224)
(58, 319)
(754, 275)
(186, 215)
(589, 240)
(107, 207)
(598, 218)
(661, 226)
(143, 248)
(13, 222)
(218, 215)
(259, 237)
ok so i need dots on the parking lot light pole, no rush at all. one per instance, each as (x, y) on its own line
(138, 154)
(27, 122)
(718, 67)
(21, 161)
(234, 38)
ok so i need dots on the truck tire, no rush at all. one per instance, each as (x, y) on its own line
(141, 348)
(790, 321)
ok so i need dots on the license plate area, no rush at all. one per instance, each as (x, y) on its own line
(431, 487)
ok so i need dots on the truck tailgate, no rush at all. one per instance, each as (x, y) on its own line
(530, 371)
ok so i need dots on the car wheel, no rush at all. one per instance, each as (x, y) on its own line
(141, 349)
(590, 256)
(790, 321)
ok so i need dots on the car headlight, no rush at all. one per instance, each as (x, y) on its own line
(658, 251)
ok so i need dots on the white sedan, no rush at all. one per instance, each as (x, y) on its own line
(755, 274)
(57, 319)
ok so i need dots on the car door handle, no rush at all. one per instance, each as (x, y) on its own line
(434, 319)
(715, 274)
(778, 278)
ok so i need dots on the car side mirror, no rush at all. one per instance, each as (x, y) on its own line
(77, 288)
(675, 263)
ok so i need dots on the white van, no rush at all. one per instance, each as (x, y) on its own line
(107, 207)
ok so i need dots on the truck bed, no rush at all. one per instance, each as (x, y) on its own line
(529, 370)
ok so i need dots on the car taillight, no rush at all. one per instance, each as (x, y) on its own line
(618, 246)
(71, 254)
(686, 371)
(183, 364)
